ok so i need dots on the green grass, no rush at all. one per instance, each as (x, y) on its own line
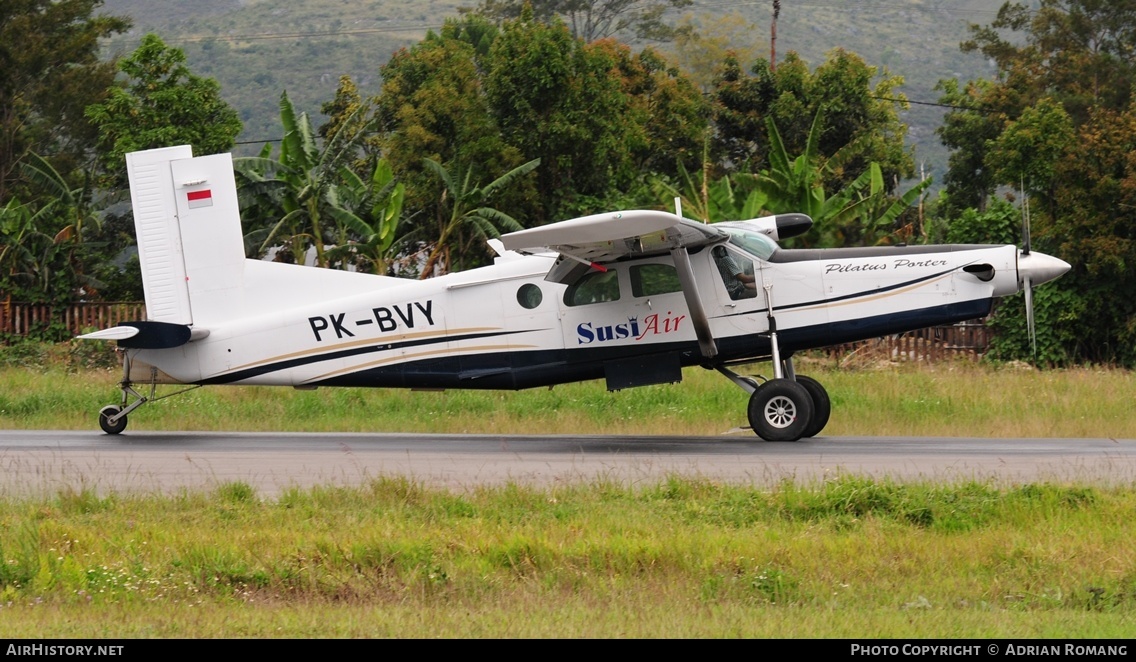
(683, 558)
(64, 387)
(848, 557)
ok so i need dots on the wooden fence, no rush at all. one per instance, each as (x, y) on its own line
(968, 340)
(22, 319)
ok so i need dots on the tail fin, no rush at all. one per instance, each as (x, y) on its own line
(188, 225)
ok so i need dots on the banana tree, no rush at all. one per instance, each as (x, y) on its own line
(368, 245)
(720, 200)
(796, 185)
(302, 190)
(462, 209)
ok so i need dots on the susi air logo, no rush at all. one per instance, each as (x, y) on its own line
(654, 324)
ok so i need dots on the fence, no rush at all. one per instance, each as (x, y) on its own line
(22, 319)
(967, 340)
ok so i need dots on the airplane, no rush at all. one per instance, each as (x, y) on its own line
(632, 297)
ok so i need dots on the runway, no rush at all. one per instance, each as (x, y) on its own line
(50, 462)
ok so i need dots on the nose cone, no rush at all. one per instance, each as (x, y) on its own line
(1040, 268)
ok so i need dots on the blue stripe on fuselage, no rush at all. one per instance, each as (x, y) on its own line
(527, 369)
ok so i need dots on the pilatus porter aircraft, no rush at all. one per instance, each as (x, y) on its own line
(631, 297)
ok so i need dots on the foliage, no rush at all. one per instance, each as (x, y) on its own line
(310, 196)
(464, 217)
(999, 224)
(37, 265)
(592, 20)
(554, 98)
(367, 242)
(863, 117)
(703, 44)
(162, 104)
(50, 70)
(968, 132)
(433, 106)
(596, 115)
(860, 212)
(1059, 122)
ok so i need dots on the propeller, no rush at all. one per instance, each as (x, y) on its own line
(1027, 280)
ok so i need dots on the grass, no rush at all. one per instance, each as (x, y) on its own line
(848, 557)
(63, 388)
(684, 558)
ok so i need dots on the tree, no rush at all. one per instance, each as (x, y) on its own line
(368, 242)
(968, 132)
(36, 266)
(463, 215)
(556, 98)
(862, 109)
(162, 104)
(309, 197)
(1059, 121)
(50, 70)
(433, 105)
(860, 212)
(702, 46)
(592, 20)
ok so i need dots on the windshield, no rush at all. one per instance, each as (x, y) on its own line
(753, 243)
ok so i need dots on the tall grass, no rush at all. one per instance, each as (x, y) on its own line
(948, 399)
(683, 558)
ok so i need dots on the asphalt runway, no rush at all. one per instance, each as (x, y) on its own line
(50, 462)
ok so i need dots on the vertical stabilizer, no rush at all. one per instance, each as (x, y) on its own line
(159, 240)
(190, 243)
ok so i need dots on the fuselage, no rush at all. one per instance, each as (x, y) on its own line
(505, 327)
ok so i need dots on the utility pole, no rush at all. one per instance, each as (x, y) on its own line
(773, 36)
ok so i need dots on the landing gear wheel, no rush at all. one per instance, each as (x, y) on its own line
(780, 410)
(822, 405)
(104, 420)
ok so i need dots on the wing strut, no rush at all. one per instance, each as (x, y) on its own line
(694, 302)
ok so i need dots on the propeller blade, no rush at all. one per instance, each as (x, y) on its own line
(1025, 222)
(1028, 287)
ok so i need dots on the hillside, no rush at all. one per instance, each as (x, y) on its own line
(258, 49)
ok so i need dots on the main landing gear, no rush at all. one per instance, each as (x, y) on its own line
(787, 407)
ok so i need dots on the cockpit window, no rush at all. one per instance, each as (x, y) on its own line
(595, 287)
(754, 243)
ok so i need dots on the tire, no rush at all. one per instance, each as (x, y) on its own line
(104, 419)
(822, 405)
(780, 410)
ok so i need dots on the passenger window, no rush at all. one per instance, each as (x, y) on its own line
(595, 287)
(651, 279)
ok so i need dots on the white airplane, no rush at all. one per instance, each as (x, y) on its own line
(632, 297)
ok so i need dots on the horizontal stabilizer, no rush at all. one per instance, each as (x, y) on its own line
(113, 333)
(148, 335)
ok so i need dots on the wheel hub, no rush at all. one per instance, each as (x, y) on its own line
(780, 412)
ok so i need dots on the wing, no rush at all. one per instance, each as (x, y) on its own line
(590, 242)
(599, 239)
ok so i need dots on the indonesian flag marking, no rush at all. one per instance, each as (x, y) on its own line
(200, 198)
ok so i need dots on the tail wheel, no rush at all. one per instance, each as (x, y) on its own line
(822, 405)
(104, 420)
(780, 410)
